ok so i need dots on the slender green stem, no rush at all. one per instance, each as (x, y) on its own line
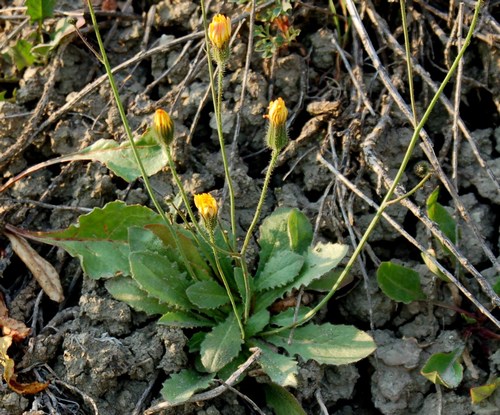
(409, 68)
(138, 160)
(173, 170)
(258, 210)
(171, 164)
(218, 118)
(412, 191)
(395, 183)
(123, 116)
(226, 285)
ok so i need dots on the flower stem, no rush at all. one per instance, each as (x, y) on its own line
(258, 210)
(226, 285)
(397, 179)
(216, 98)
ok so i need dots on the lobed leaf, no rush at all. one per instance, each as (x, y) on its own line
(273, 235)
(221, 345)
(184, 320)
(189, 247)
(287, 317)
(127, 290)
(181, 386)
(207, 294)
(256, 323)
(160, 278)
(279, 270)
(326, 343)
(119, 158)
(100, 238)
(300, 231)
(281, 369)
(318, 261)
(399, 283)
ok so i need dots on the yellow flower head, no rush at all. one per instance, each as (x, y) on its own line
(163, 127)
(277, 112)
(277, 135)
(207, 206)
(219, 31)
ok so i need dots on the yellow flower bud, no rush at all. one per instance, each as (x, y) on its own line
(163, 127)
(277, 112)
(219, 31)
(207, 206)
(277, 135)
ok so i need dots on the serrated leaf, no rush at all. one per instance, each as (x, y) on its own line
(39, 10)
(281, 369)
(280, 269)
(117, 157)
(444, 369)
(273, 235)
(160, 278)
(441, 216)
(287, 317)
(181, 386)
(188, 246)
(281, 401)
(480, 393)
(328, 280)
(256, 323)
(399, 283)
(100, 238)
(184, 319)
(300, 231)
(326, 343)
(221, 345)
(207, 294)
(318, 261)
(127, 290)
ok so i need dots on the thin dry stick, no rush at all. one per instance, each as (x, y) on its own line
(357, 85)
(244, 397)
(399, 50)
(27, 136)
(319, 399)
(454, 128)
(427, 148)
(86, 398)
(145, 395)
(240, 104)
(375, 163)
(403, 232)
(205, 396)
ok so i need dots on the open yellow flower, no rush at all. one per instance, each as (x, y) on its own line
(207, 206)
(219, 31)
(277, 112)
(163, 127)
